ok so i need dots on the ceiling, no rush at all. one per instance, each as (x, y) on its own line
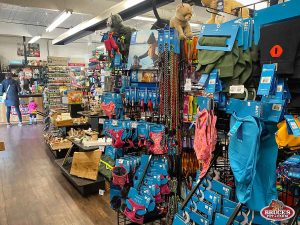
(31, 17)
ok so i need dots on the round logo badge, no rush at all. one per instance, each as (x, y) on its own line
(276, 51)
(277, 211)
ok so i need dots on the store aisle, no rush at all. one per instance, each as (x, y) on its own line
(34, 192)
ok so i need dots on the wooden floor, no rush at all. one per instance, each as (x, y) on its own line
(34, 192)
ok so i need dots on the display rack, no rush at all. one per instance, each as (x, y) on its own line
(84, 186)
(57, 78)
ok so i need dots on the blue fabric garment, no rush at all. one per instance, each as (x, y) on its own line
(252, 156)
(264, 186)
(13, 92)
(243, 152)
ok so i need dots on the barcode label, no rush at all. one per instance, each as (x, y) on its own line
(212, 81)
(266, 80)
(134, 125)
(276, 107)
(279, 88)
(294, 125)
(237, 89)
(101, 148)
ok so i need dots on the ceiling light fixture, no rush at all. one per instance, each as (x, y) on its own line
(34, 39)
(59, 20)
(143, 18)
(258, 6)
(195, 24)
(100, 47)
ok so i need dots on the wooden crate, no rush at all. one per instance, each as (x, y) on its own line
(55, 146)
(86, 164)
(63, 123)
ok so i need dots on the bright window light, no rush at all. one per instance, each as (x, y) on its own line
(258, 6)
(143, 18)
(61, 18)
(100, 47)
(34, 39)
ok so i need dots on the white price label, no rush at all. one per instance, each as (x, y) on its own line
(101, 121)
(134, 125)
(212, 81)
(266, 80)
(101, 148)
(115, 122)
(294, 125)
(279, 88)
(237, 89)
(276, 107)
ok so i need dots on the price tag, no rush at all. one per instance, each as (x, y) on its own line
(188, 85)
(101, 148)
(276, 107)
(279, 88)
(237, 89)
(266, 80)
(101, 192)
(212, 81)
(134, 125)
(101, 121)
(115, 123)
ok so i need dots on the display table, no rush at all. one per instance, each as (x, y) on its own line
(24, 99)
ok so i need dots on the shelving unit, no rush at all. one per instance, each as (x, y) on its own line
(57, 78)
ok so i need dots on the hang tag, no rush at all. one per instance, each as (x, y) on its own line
(114, 122)
(292, 126)
(203, 80)
(237, 89)
(134, 125)
(214, 84)
(188, 84)
(101, 121)
(117, 59)
(267, 85)
(101, 148)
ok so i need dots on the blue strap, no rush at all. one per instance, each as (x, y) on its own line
(234, 128)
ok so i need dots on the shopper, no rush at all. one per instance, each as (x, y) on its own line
(11, 88)
(32, 109)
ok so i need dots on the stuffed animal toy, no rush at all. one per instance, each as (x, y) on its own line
(229, 7)
(115, 23)
(180, 21)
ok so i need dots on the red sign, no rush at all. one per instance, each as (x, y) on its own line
(277, 211)
(276, 51)
(76, 64)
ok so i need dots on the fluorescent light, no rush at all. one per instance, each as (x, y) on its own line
(34, 39)
(130, 3)
(195, 24)
(100, 47)
(61, 18)
(258, 6)
(143, 18)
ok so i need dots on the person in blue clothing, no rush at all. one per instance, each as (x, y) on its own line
(12, 88)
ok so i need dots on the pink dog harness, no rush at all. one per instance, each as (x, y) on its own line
(108, 109)
(156, 147)
(132, 214)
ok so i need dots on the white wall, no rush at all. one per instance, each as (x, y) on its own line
(77, 52)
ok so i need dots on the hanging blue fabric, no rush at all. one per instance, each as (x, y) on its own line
(243, 152)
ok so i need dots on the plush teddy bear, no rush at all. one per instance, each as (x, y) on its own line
(180, 21)
(229, 7)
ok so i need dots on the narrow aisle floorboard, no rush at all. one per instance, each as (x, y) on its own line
(33, 191)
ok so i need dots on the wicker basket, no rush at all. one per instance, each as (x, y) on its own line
(66, 144)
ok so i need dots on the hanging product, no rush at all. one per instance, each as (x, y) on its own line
(252, 156)
(205, 138)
